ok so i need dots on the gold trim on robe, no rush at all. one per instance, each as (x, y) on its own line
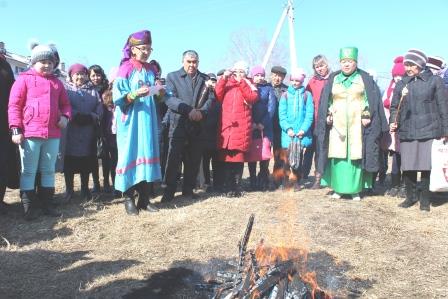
(347, 106)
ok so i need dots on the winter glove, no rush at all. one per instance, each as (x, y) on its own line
(17, 135)
(63, 121)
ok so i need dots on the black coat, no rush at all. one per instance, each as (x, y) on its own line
(424, 111)
(9, 160)
(210, 124)
(277, 143)
(370, 134)
(181, 99)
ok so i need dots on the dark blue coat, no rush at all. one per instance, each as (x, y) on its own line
(264, 109)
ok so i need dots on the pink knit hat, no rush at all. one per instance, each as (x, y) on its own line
(398, 68)
(77, 68)
(257, 70)
(298, 74)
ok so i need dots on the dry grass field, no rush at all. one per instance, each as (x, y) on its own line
(367, 249)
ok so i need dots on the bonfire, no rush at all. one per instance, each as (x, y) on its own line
(266, 272)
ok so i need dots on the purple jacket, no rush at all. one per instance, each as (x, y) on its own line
(36, 104)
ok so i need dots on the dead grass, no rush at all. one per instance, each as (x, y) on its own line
(367, 249)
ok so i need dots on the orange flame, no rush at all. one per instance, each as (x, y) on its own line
(310, 278)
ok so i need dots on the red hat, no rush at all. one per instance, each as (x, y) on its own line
(398, 68)
(77, 68)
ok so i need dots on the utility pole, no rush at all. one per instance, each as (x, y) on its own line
(287, 11)
(292, 41)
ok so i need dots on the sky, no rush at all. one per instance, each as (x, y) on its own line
(94, 31)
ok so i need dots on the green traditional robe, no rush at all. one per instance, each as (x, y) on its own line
(344, 175)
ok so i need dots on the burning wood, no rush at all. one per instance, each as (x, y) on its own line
(267, 273)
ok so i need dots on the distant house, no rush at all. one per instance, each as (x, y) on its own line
(19, 63)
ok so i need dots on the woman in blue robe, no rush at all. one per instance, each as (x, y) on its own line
(137, 126)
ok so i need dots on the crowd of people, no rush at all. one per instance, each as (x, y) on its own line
(148, 129)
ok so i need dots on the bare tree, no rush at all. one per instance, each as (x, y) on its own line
(250, 45)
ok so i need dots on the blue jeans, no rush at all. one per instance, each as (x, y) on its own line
(38, 153)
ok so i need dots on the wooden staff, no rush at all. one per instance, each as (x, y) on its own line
(399, 105)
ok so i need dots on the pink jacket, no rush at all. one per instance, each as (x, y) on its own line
(36, 104)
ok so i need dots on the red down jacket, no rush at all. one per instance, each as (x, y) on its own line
(235, 125)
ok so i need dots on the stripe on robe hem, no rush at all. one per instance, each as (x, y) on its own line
(137, 162)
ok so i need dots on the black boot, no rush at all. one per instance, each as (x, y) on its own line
(401, 191)
(252, 176)
(144, 192)
(229, 183)
(68, 176)
(3, 205)
(411, 193)
(129, 203)
(238, 188)
(381, 178)
(28, 201)
(96, 178)
(45, 196)
(234, 182)
(85, 192)
(394, 186)
(253, 183)
(151, 191)
(263, 181)
(168, 195)
(107, 187)
(425, 195)
(231, 187)
(316, 184)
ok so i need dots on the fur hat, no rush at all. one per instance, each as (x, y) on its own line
(298, 74)
(398, 68)
(416, 57)
(41, 52)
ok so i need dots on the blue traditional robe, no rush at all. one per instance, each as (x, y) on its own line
(137, 128)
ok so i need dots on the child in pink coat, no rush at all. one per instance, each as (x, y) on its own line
(38, 109)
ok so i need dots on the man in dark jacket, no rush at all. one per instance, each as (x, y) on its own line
(278, 74)
(188, 102)
(9, 172)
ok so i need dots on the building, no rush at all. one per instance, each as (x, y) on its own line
(19, 63)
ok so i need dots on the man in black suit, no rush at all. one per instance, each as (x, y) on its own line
(188, 102)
